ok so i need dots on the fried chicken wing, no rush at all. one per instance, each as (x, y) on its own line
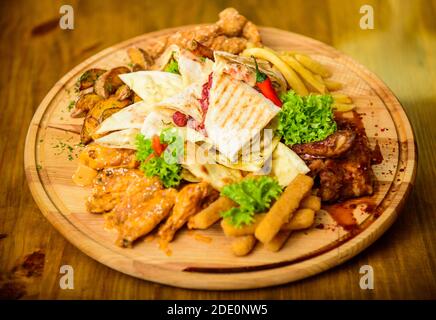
(98, 157)
(138, 192)
(109, 186)
(188, 202)
(145, 216)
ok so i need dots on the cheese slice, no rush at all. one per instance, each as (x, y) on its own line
(131, 117)
(186, 102)
(236, 114)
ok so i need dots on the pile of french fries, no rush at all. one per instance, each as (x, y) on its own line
(294, 210)
(304, 75)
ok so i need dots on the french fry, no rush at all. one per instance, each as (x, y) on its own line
(313, 65)
(241, 246)
(311, 202)
(291, 77)
(341, 107)
(208, 216)
(278, 241)
(304, 73)
(244, 230)
(281, 211)
(332, 85)
(341, 98)
(301, 219)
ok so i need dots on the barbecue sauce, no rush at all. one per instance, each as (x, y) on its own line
(342, 212)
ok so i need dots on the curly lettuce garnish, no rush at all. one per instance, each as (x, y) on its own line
(305, 119)
(159, 156)
(253, 195)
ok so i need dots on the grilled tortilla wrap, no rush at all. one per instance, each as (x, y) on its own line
(243, 68)
(236, 114)
(192, 69)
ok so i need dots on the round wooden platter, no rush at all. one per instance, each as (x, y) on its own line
(194, 262)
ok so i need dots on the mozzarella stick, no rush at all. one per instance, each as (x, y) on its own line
(281, 211)
(208, 216)
(301, 219)
(311, 202)
(244, 230)
(278, 241)
(241, 246)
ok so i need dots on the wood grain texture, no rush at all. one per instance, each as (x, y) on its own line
(401, 50)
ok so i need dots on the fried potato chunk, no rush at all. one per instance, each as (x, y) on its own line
(231, 22)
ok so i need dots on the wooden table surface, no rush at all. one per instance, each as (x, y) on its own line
(35, 53)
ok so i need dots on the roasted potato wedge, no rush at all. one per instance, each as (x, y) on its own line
(107, 113)
(85, 103)
(96, 115)
(123, 93)
(140, 59)
(88, 78)
(109, 82)
(89, 126)
(136, 98)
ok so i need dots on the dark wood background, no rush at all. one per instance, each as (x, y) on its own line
(35, 53)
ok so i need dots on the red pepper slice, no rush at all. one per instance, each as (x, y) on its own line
(263, 82)
(158, 147)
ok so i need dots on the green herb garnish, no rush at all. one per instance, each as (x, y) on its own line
(305, 119)
(172, 67)
(71, 105)
(164, 166)
(254, 195)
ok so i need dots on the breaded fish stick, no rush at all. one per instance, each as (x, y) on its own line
(243, 245)
(208, 216)
(301, 219)
(311, 202)
(281, 211)
(244, 230)
(278, 241)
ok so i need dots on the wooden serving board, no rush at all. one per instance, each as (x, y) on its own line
(194, 262)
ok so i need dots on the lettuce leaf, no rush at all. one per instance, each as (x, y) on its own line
(305, 119)
(166, 166)
(254, 195)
